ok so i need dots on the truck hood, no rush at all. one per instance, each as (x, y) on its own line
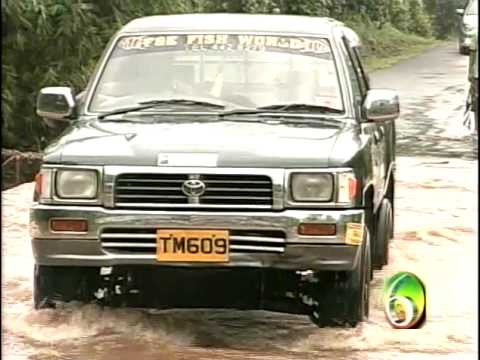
(273, 144)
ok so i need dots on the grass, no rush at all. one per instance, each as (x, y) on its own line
(388, 46)
(373, 63)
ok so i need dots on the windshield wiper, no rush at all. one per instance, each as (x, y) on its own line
(301, 107)
(275, 115)
(280, 109)
(243, 112)
(144, 105)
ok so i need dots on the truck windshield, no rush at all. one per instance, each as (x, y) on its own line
(241, 71)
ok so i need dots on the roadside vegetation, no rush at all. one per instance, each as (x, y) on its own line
(385, 46)
(58, 42)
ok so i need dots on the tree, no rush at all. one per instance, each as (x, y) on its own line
(399, 15)
(58, 42)
(446, 21)
(419, 21)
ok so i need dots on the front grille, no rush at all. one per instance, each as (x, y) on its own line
(143, 241)
(165, 190)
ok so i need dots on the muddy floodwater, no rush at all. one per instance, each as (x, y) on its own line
(436, 237)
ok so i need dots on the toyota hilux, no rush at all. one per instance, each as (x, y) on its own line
(219, 161)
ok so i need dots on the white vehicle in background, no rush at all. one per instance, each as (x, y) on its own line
(468, 26)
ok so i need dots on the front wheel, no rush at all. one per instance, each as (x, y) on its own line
(57, 284)
(343, 297)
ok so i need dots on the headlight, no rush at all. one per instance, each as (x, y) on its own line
(76, 184)
(312, 187)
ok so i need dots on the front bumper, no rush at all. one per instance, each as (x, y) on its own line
(300, 252)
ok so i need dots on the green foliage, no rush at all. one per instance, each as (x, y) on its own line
(430, 6)
(380, 45)
(419, 20)
(58, 42)
(399, 15)
(446, 21)
(43, 42)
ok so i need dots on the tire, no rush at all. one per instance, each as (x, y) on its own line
(391, 199)
(370, 225)
(382, 235)
(476, 119)
(43, 290)
(55, 284)
(463, 50)
(343, 297)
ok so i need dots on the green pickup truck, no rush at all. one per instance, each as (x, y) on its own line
(223, 161)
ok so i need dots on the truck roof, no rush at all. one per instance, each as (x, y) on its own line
(234, 22)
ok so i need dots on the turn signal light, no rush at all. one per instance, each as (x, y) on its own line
(352, 188)
(38, 183)
(317, 229)
(347, 187)
(69, 225)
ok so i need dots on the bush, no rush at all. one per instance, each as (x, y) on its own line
(388, 42)
(446, 20)
(419, 21)
(58, 42)
(399, 15)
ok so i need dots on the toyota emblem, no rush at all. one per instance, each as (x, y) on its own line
(193, 188)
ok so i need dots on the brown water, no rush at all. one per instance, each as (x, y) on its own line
(436, 237)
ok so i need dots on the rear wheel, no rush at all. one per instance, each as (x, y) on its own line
(463, 50)
(383, 232)
(391, 198)
(343, 297)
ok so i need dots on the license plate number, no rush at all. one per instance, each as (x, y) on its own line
(192, 245)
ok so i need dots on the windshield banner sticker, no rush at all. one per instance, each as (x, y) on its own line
(225, 42)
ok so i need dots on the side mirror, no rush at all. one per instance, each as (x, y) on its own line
(381, 105)
(460, 11)
(55, 103)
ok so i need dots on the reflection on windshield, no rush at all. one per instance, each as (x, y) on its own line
(244, 71)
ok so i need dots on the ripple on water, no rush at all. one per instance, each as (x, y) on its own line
(429, 240)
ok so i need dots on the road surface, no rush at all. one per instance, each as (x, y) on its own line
(436, 238)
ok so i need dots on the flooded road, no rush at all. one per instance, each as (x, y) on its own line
(435, 237)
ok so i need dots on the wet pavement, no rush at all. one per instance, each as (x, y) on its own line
(433, 90)
(436, 238)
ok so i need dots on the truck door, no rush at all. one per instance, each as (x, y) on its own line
(378, 132)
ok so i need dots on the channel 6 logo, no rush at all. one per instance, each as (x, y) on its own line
(404, 298)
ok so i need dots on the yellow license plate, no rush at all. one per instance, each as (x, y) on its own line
(192, 245)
